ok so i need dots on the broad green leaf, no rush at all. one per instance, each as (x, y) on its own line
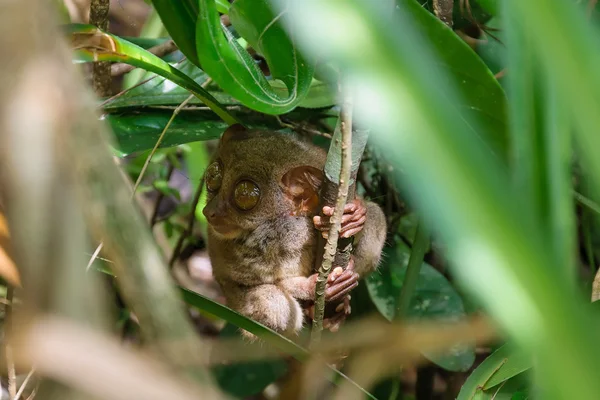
(492, 50)
(502, 365)
(137, 132)
(179, 18)
(511, 362)
(91, 44)
(434, 299)
(482, 99)
(234, 70)
(247, 379)
(491, 6)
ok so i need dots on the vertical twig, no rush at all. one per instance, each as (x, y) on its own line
(10, 361)
(101, 77)
(336, 219)
(412, 270)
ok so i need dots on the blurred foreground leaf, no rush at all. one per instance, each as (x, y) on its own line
(434, 299)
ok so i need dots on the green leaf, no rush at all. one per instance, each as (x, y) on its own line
(434, 298)
(179, 18)
(230, 65)
(249, 378)
(91, 44)
(159, 91)
(502, 365)
(137, 132)
(495, 251)
(482, 99)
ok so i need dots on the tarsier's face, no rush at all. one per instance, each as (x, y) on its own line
(256, 179)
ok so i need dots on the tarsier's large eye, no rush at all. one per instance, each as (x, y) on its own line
(214, 176)
(246, 195)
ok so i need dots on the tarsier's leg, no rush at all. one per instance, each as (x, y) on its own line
(271, 306)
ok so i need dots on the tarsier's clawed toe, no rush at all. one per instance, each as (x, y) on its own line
(353, 219)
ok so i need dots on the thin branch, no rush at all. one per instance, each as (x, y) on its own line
(190, 227)
(159, 50)
(158, 142)
(101, 79)
(8, 329)
(336, 219)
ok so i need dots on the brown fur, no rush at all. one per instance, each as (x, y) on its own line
(264, 264)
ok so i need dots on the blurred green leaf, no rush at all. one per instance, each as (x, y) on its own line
(222, 6)
(434, 299)
(482, 99)
(496, 252)
(246, 379)
(91, 44)
(492, 49)
(165, 189)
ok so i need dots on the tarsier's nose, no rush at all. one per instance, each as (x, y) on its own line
(213, 213)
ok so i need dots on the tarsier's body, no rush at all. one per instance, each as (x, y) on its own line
(263, 194)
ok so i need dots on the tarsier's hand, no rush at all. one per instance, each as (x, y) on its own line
(353, 219)
(339, 284)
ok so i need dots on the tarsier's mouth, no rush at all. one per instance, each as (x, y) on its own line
(226, 230)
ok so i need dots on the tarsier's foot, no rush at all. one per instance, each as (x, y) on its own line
(335, 318)
(342, 311)
(353, 219)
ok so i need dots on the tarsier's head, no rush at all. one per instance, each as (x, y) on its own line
(257, 176)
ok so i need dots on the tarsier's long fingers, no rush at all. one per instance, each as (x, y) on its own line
(353, 219)
(341, 288)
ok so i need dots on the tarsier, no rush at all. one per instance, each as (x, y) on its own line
(263, 215)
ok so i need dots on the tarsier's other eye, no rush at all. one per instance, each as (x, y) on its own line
(246, 195)
(214, 176)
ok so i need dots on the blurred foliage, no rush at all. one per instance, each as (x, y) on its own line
(489, 161)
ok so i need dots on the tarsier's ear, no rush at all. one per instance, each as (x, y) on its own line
(301, 185)
(232, 131)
